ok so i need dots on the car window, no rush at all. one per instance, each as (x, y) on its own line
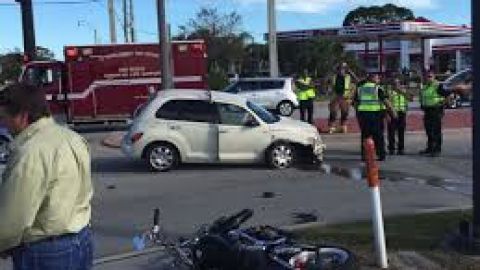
(41, 75)
(265, 115)
(168, 111)
(461, 77)
(272, 84)
(246, 86)
(232, 115)
(233, 88)
(188, 110)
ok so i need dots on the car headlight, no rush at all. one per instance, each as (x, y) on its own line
(315, 139)
(317, 143)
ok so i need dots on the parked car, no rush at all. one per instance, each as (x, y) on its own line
(464, 77)
(192, 126)
(275, 94)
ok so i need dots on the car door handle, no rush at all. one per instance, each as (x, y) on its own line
(223, 131)
(174, 127)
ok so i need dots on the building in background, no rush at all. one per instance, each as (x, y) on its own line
(393, 47)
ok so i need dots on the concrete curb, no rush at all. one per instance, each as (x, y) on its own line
(442, 209)
(413, 132)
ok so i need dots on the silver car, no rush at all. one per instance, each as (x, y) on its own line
(458, 100)
(275, 94)
(194, 126)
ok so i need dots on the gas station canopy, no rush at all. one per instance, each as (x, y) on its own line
(407, 30)
(422, 30)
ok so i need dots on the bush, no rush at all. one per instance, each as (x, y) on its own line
(217, 80)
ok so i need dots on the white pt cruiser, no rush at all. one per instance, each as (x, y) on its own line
(194, 126)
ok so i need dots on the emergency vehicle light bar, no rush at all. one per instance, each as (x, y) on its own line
(71, 52)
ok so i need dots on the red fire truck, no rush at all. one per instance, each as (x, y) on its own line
(106, 83)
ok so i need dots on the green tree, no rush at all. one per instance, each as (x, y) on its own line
(44, 54)
(319, 57)
(255, 61)
(378, 14)
(11, 63)
(225, 39)
(10, 66)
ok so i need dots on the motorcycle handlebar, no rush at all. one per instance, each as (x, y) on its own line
(243, 216)
(156, 216)
(226, 224)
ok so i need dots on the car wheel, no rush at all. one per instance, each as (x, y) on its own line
(4, 149)
(281, 155)
(285, 108)
(162, 157)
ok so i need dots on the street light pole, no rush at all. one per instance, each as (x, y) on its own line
(29, 46)
(133, 38)
(476, 121)
(272, 38)
(111, 21)
(163, 36)
(125, 21)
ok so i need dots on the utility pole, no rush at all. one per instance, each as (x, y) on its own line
(131, 23)
(125, 21)
(165, 64)
(95, 36)
(272, 38)
(476, 122)
(111, 20)
(29, 46)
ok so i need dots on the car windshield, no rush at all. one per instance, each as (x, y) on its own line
(265, 115)
(462, 77)
(232, 88)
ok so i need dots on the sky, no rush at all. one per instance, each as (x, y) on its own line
(57, 25)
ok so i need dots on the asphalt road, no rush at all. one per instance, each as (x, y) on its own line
(126, 192)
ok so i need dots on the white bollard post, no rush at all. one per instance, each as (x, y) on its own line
(378, 228)
(377, 216)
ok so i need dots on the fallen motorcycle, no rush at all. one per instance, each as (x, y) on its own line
(224, 245)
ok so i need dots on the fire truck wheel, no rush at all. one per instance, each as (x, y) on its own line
(162, 157)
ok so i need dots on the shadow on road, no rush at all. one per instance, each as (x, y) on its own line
(99, 128)
(117, 165)
(126, 165)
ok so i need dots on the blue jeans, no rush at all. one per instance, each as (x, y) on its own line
(66, 252)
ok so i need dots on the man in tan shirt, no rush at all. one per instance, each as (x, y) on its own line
(46, 188)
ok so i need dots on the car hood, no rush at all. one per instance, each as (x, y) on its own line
(287, 123)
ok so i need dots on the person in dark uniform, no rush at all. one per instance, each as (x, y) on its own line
(370, 100)
(432, 101)
(306, 97)
(396, 127)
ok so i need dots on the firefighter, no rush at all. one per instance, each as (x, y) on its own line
(399, 99)
(306, 96)
(370, 99)
(432, 101)
(342, 93)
